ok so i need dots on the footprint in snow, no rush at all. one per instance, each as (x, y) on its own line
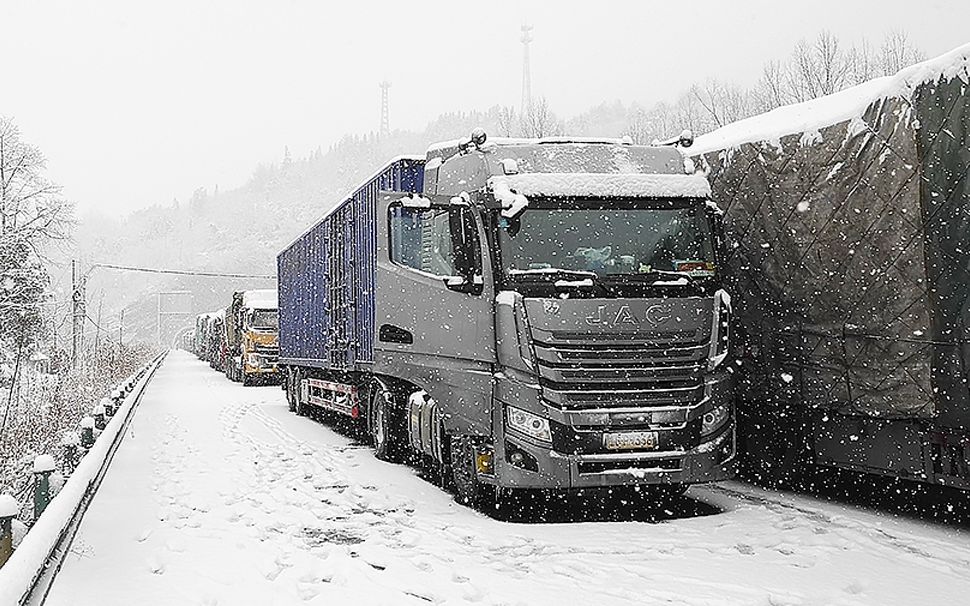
(745, 548)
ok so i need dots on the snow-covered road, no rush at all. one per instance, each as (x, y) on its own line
(219, 495)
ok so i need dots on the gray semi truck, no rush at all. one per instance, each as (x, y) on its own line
(543, 314)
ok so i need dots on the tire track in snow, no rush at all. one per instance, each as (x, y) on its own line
(523, 559)
(892, 543)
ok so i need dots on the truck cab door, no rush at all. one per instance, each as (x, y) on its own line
(435, 305)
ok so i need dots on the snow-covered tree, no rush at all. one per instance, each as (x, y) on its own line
(33, 214)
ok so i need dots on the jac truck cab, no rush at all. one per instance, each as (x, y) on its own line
(543, 314)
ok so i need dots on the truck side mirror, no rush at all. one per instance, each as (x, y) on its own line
(720, 236)
(466, 250)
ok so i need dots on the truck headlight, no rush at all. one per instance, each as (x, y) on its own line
(714, 419)
(252, 359)
(721, 332)
(527, 423)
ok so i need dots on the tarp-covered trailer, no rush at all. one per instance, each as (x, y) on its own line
(850, 217)
(327, 277)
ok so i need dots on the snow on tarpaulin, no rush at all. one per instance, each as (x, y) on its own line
(810, 116)
(849, 216)
(606, 185)
(260, 299)
(17, 576)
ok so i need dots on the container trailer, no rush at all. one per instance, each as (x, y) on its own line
(850, 217)
(521, 314)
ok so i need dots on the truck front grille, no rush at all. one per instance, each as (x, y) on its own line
(582, 371)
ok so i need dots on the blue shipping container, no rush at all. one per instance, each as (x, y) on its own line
(327, 277)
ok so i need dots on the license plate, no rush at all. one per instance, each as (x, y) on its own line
(630, 440)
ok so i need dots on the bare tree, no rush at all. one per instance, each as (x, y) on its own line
(507, 121)
(663, 120)
(639, 127)
(689, 114)
(539, 121)
(898, 52)
(723, 104)
(771, 91)
(863, 63)
(818, 69)
(31, 206)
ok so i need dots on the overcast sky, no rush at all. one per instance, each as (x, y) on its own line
(137, 103)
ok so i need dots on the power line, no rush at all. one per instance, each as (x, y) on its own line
(181, 272)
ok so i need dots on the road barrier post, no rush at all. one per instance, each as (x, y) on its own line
(43, 467)
(87, 432)
(9, 508)
(100, 420)
(69, 443)
(109, 406)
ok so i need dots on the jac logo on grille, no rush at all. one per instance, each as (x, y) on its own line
(655, 314)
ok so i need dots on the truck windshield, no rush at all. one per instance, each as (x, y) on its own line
(264, 319)
(620, 238)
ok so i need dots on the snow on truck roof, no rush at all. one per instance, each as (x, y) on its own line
(606, 185)
(835, 108)
(260, 299)
(434, 148)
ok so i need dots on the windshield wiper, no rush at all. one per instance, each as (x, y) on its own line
(561, 279)
(655, 276)
(553, 273)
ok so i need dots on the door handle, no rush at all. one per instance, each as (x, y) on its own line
(395, 334)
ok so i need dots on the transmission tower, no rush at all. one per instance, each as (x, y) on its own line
(385, 109)
(526, 71)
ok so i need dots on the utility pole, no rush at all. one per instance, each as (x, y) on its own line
(97, 328)
(526, 72)
(77, 314)
(385, 109)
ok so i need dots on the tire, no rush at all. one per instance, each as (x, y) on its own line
(441, 470)
(247, 380)
(469, 489)
(383, 434)
(301, 409)
(291, 391)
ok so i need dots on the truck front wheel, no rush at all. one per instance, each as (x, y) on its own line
(469, 489)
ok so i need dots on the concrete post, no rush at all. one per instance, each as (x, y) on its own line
(9, 508)
(43, 466)
(87, 432)
(100, 420)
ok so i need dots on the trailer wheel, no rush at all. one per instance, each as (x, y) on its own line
(382, 431)
(291, 390)
(299, 407)
(469, 490)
